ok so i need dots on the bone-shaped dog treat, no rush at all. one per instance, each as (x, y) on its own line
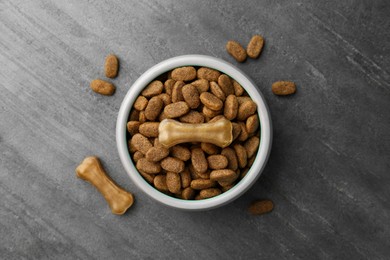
(172, 132)
(117, 198)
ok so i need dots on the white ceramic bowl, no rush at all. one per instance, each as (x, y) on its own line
(265, 134)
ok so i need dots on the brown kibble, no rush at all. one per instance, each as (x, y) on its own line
(238, 89)
(134, 115)
(153, 109)
(177, 109)
(148, 167)
(236, 50)
(132, 127)
(260, 207)
(198, 160)
(209, 193)
(243, 99)
(162, 116)
(252, 123)
(236, 130)
(102, 87)
(191, 96)
(171, 164)
(222, 175)
(111, 66)
(177, 94)
(141, 143)
(242, 157)
(180, 152)
(201, 184)
(283, 88)
(142, 117)
(209, 148)
(138, 155)
(243, 173)
(231, 107)
(193, 173)
(188, 193)
(173, 182)
(149, 129)
(255, 46)
(210, 113)
(231, 156)
(132, 149)
(148, 177)
(165, 98)
(209, 74)
(168, 86)
(197, 197)
(244, 134)
(245, 110)
(216, 118)
(160, 182)
(153, 89)
(184, 73)
(251, 146)
(226, 85)
(211, 101)
(193, 117)
(227, 187)
(251, 161)
(156, 154)
(217, 162)
(217, 91)
(140, 103)
(185, 177)
(202, 85)
(230, 181)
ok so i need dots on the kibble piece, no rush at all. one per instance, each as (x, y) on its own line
(222, 175)
(226, 84)
(283, 88)
(185, 177)
(251, 161)
(148, 177)
(209, 148)
(173, 182)
(153, 109)
(171, 164)
(260, 207)
(132, 127)
(217, 162)
(236, 50)
(236, 130)
(149, 129)
(188, 193)
(252, 123)
(149, 167)
(102, 87)
(216, 118)
(198, 160)
(251, 146)
(142, 117)
(227, 187)
(202, 85)
(177, 109)
(153, 89)
(134, 115)
(177, 91)
(245, 110)
(201, 184)
(243, 99)
(160, 182)
(132, 149)
(180, 152)
(211, 101)
(238, 89)
(242, 157)
(255, 46)
(111, 66)
(193, 117)
(230, 154)
(168, 86)
(230, 181)
(210, 113)
(231, 107)
(156, 154)
(209, 74)
(140, 103)
(137, 155)
(191, 96)
(184, 73)
(165, 98)
(243, 173)
(162, 116)
(217, 91)
(193, 173)
(209, 193)
(141, 143)
(244, 133)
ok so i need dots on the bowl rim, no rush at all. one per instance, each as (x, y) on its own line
(265, 135)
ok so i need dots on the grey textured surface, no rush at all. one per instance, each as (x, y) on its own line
(329, 171)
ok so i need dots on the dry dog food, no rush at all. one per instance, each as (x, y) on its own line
(283, 88)
(194, 132)
(255, 46)
(111, 66)
(102, 87)
(260, 207)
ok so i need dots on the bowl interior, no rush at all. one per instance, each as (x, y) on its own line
(265, 131)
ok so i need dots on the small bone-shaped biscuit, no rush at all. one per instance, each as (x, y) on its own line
(117, 198)
(172, 132)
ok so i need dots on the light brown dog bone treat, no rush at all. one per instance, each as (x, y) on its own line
(201, 184)
(198, 160)
(176, 109)
(168, 86)
(209, 193)
(222, 175)
(137, 155)
(173, 182)
(140, 103)
(236, 50)
(211, 101)
(188, 193)
(251, 146)
(260, 207)
(236, 130)
(191, 96)
(148, 177)
(149, 129)
(148, 167)
(243, 99)
(142, 117)
(102, 87)
(153, 109)
(242, 157)
(245, 110)
(153, 89)
(230, 154)
(209, 113)
(111, 66)
(156, 154)
(134, 115)
(202, 85)
(231, 107)
(243, 134)
(141, 143)
(283, 88)
(180, 152)
(160, 182)
(133, 127)
(208, 74)
(217, 91)
(185, 177)
(217, 162)
(171, 164)
(184, 73)
(177, 91)
(226, 84)
(255, 46)
(172, 132)
(252, 123)
(209, 148)
(165, 98)
(93, 172)
(238, 89)
(193, 117)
